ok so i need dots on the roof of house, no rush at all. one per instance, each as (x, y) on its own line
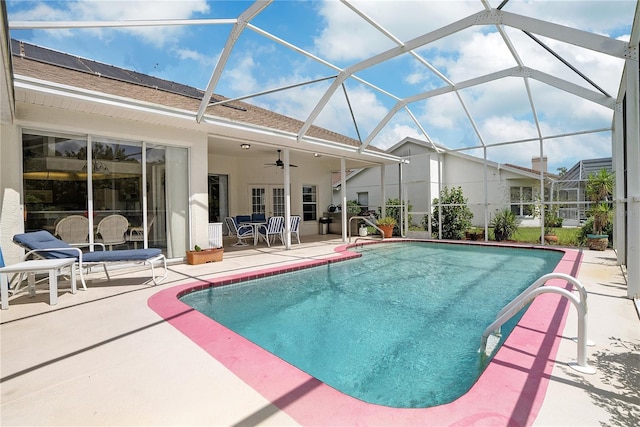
(534, 171)
(530, 173)
(582, 169)
(45, 64)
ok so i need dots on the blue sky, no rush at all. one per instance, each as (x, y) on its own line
(332, 31)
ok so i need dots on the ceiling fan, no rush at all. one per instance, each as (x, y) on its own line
(279, 163)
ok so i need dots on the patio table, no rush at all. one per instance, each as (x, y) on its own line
(255, 225)
(53, 266)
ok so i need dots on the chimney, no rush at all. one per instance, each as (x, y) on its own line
(538, 164)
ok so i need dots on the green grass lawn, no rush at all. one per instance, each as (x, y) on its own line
(566, 236)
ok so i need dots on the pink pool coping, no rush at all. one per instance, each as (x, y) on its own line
(509, 392)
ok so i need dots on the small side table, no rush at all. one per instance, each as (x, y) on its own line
(53, 266)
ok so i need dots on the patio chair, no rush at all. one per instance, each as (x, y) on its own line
(73, 229)
(136, 234)
(242, 218)
(112, 230)
(274, 227)
(45, 245)
(242, 232)
(258, 217)
(295, 227)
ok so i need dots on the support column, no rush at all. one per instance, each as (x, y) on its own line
(287, 201)
(617, 136)
(632, 137)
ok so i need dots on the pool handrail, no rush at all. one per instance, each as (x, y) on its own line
(367, 220)
(529, 295)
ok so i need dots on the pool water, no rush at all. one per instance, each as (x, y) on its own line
(399, 326)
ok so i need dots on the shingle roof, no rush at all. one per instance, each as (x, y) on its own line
(534, 171)
(57, 67)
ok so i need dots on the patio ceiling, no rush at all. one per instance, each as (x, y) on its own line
(341, 81)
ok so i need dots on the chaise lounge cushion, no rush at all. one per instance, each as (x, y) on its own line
(46, 245)
(121, 255)
(45, 240)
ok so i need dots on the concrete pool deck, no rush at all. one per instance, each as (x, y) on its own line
(103, 357)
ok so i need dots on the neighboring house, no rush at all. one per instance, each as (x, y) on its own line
(570, 189)
(428, 170)
(87, 138)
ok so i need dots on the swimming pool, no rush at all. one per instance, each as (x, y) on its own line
(510, 391)
(415, 313)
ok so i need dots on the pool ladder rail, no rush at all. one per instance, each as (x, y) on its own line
(367, 220)
(491, 335)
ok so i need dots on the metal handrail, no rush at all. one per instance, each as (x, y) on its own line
(367, 220)
(529, 295)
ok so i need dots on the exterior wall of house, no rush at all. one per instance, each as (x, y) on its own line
(11, 213)
(57, 120)
(245, 174)
(422, 184)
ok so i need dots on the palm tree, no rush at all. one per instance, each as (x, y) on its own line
(601, 216)
(600, 185)
(599, 189)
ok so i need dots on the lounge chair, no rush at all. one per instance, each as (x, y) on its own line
(43, 244)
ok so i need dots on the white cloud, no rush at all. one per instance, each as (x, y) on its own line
(205, 60)
(86, 10)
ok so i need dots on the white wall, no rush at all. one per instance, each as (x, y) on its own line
(420, 177)
(11, 213)
(248, 172)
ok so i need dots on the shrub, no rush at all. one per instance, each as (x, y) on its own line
(456, 215)
(504, 224)
(353, 207)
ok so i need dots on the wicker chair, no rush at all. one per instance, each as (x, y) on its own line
(112, 230)
(73, 229)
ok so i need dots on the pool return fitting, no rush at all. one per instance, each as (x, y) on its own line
(491, 335)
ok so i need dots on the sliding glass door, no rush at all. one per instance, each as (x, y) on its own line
(97, 177)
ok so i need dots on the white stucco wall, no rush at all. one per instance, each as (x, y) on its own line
(249, 172)
(422, 183)
(11, 213)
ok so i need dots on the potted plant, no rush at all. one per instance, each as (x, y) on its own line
(387, 224)
(201, 256)
(504, 224)
(551, 222)
(601, 214)
(599, 188)
(550, 235)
